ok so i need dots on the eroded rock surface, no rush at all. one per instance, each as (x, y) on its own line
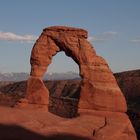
(37, 93)
(28, 123)
(99, 89)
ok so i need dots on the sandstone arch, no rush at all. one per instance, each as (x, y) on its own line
(99, 89)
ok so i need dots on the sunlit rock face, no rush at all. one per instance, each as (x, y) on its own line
(99, 89)
(102, 105)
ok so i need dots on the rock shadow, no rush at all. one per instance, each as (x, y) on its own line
(14, 132)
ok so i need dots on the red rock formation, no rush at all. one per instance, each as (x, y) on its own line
(129, 82)
(94, 125)
(99, 89)
(37, 93)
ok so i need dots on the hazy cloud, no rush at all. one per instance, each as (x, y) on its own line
(110, 34)
(96, 39)
(102, 37)
(9, 36)
(136, 40)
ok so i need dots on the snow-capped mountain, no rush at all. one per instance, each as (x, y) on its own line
(13, 76)
(49, 76)
(61, 76)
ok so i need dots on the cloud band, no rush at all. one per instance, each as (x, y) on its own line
(9, 36)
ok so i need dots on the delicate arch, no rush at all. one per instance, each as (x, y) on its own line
(99, 89)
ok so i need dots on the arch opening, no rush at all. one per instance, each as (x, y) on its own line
(61, 63)
(64, 86)
(62, 77)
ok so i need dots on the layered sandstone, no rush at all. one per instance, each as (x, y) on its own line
(101, 103)
(38, 124)
(99, 89)
(37, 93)
(91, 123)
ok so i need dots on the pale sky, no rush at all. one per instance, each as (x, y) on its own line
(113, 26)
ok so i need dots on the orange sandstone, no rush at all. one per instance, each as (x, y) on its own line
(99, 89)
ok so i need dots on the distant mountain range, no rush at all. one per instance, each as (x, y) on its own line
(13, 76)
(49, 76)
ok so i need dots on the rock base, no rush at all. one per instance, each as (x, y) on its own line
(36, 92)
(91, 124)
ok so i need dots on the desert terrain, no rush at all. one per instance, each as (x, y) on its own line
(35, 122)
